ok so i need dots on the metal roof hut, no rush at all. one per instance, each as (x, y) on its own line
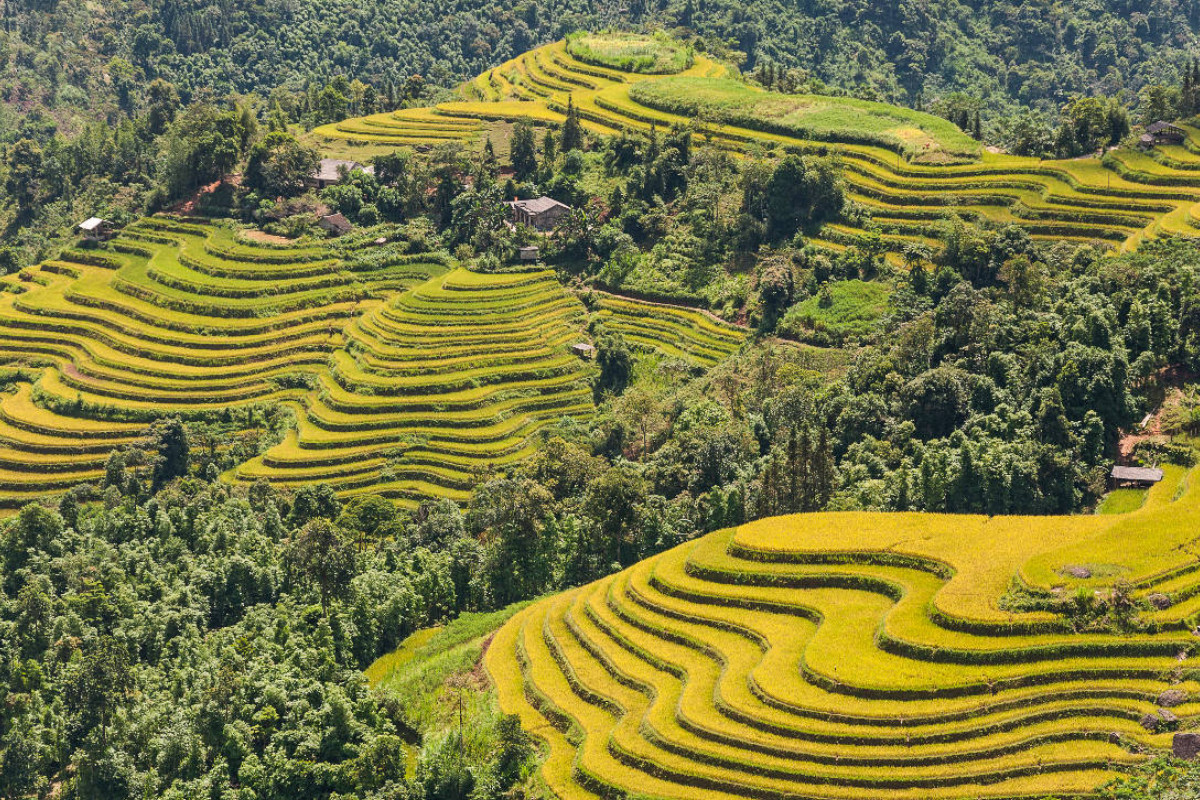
(1165, 133)
(96, 229)
(1134, 477)
(331, 171)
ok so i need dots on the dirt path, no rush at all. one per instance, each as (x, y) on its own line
(189, 204)
(1173, 380)
(1151, 429)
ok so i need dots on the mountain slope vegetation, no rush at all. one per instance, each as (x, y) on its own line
(759, 465)
(63, 53)
(910, 172)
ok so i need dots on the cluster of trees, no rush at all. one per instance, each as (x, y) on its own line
(665, 211)
(340, 98)
(1172, 101)
(203, 642)
(161, 152)
(664, 214)
(1086, 124)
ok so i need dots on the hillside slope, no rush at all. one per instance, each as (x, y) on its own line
(857, 655)
(912, 171)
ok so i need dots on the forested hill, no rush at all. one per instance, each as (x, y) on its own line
(71, 54)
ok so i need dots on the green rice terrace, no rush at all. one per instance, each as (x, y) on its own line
(407, 376)
(911, 170)
(923, 656)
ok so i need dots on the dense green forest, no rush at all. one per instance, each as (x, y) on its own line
(67, 55)
(188, 645)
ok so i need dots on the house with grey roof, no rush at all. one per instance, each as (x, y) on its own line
(542, 213)
(1134, 477)
(96, 229)
(335, 224)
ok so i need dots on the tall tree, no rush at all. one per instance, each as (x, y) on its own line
(97, 686)
(523, 151)
(572, 132)
(324, 557)
(172, 450)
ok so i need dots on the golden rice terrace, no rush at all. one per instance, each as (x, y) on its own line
(860, 655)
(912, 170)
(408, 376)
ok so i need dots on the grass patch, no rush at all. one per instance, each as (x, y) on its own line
(417, 673)
(385, 665)
(921, 137)
(842, 311)
(1122, 501)
(651, 54)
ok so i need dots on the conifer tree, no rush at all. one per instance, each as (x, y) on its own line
(523, 151)
(572, 132)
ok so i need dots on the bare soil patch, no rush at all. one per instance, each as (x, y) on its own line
(255, 235)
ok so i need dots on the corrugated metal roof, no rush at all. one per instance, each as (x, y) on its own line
(1160, 126)
(91, 223)
(1145, 474)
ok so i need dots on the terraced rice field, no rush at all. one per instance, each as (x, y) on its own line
(408, 377)
(910, 188)
(438, 386)
(676, 331)
(859, 655)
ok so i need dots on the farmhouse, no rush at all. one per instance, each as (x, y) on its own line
(1134, 477)
(95, 229)
(542, 212)
(334, 170)
(337, 224)
(1162, 133)
(528, 253)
